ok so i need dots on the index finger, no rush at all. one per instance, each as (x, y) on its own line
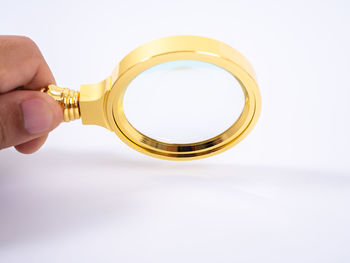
(22, 65)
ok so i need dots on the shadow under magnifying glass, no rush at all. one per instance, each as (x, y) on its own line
(53, 192)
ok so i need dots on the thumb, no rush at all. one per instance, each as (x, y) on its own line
(26, 115)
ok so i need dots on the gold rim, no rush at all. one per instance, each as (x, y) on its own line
(182, 48)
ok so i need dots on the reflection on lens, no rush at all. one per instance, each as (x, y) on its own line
(183, 101)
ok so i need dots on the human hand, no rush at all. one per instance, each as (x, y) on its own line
(26, 116)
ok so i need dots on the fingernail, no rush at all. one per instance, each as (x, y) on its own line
(37, 116)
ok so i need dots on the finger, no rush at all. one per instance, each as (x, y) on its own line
(31, 146)
(22, 65)
(26, 115)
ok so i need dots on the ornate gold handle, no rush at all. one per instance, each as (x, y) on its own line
(87, 104)
(67, 98)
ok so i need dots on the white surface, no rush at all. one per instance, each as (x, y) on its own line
(281, 195)
(101, 207)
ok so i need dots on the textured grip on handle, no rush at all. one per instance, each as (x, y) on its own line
(67, 98)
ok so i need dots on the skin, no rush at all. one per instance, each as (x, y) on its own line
(26, 115)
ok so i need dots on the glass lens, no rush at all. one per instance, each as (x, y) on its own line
(183, 101)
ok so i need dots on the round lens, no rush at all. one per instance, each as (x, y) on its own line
(183, 101)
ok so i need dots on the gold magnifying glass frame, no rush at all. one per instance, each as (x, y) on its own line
(102, 103)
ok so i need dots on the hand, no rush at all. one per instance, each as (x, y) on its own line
(26, 116)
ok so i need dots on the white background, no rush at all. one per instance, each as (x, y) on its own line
(281, 195)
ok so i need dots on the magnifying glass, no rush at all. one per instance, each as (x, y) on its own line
(151, 87)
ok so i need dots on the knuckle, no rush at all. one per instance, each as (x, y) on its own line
(27, 42)
(12, 41)
(17, 44)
